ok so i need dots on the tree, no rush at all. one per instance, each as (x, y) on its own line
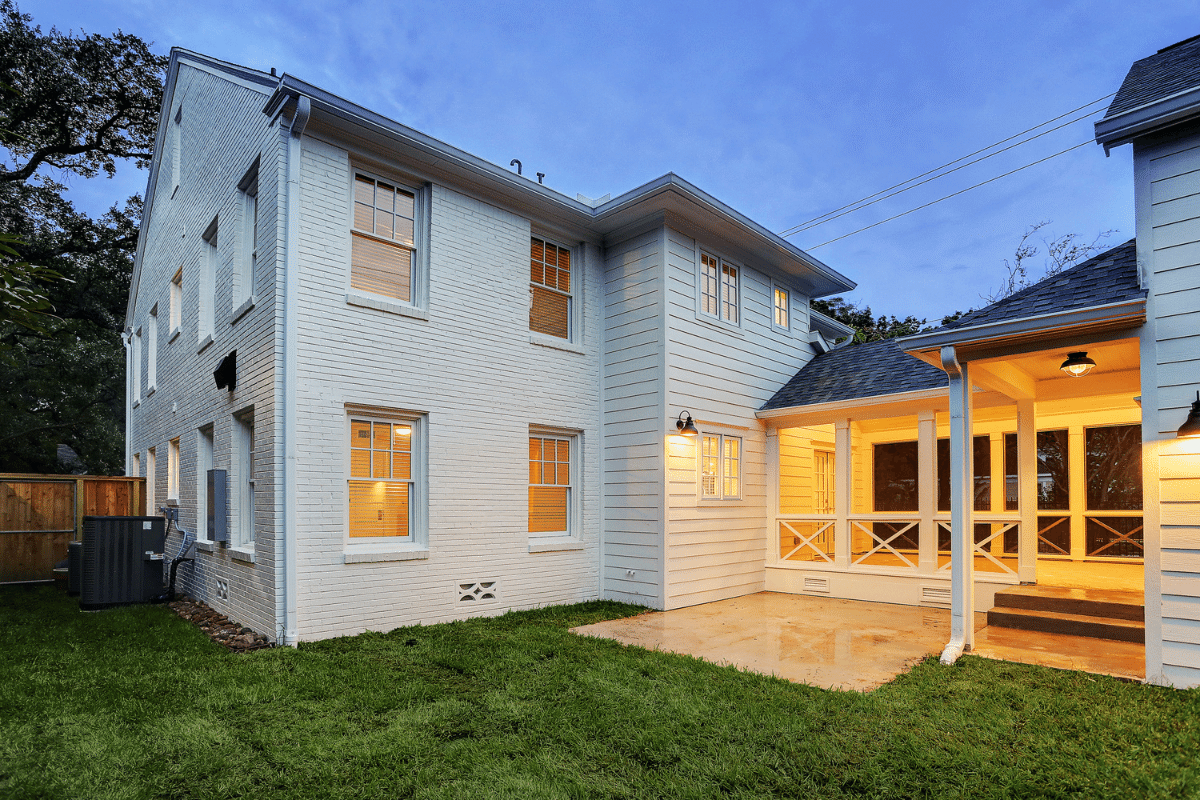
(81, 105)
(1062, 253)
(868, 327)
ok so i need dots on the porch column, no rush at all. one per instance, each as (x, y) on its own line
(1027, 491)
(927, 492)
(842, 489)
(1077, 481)
(962, 504)
(772, 555)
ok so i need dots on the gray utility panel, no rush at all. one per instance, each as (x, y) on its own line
(122, 560)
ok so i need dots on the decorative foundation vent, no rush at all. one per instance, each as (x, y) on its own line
(471, 593)
(816, 585)
(935, 596)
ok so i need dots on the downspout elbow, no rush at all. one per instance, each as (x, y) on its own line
(954, 649)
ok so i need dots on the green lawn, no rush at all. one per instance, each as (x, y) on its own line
(135, 703)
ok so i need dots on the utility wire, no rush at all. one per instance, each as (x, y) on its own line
(856, 204)
(955, 194)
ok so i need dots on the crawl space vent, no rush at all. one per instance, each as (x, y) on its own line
(816, 585)
(935, 596)
(473, 592)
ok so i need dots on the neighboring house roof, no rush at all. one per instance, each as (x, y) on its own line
(1110, 277)
(883, 368)
(860, 370)
(1160, 91)
(1169, 71)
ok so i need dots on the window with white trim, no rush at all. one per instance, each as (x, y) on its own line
(136, 357)
(151, 481)
(243, 428)
(176, 301)
(551, 483)
(550, 299)
(383, 238)
(152, 351)
(781, 307)
(720, 466)
(204, 463)
(823, 482)
(248, 263)
(719, 288)
(384, 488)
(207, 301)
(173, 471)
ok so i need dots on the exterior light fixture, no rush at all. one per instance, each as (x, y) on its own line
(1191, 426)
(1077, 364)
(685, 427)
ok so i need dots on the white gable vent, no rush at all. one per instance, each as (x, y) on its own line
(474, 592)
(816, 585)
(935, 596)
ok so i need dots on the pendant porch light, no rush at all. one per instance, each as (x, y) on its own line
(1077, 364)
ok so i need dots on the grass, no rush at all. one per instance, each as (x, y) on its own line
(136, 703)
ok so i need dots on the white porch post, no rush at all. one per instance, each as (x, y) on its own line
(1027, 491)
(962, 496)
(772, 554)
(927, 492)
(841, 492)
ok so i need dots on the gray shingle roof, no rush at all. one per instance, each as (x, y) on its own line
(859, 370)
(1169, 71)
(882, 368)
(1110, 277)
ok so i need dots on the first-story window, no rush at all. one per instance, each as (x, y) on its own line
(173, 470)
(720, 466)
(383, 485)
(550, 484)
(243, 425)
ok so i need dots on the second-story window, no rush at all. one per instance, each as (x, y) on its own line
(782, 307)
(718, 288)
(383, 239)
(550, 289)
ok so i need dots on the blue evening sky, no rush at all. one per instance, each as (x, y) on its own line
(784, 111)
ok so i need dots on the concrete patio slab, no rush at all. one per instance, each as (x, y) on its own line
(824, 642)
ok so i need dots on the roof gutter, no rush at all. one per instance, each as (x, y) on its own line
(854, 404)
(1127, 311)
(288, 418)
(1137, 122)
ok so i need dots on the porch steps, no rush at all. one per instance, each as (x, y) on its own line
(1094, 613)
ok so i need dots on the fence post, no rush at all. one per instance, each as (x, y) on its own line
(79, 503)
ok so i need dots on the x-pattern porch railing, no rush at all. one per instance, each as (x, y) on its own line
(820, 536)
(881, 544)
(983, 546)
(1042, 540)
(1121, 537)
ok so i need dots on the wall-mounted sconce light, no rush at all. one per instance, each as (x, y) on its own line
(684, 425)
(1191, 426)
(1077, 364)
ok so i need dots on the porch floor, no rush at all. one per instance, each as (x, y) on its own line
(847, 644)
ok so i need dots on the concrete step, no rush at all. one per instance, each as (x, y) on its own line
(1104, 603)
(1095, 627)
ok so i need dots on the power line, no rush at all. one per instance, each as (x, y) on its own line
(955, 194)
(848, 208)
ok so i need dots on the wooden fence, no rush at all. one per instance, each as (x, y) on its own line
(39, 514)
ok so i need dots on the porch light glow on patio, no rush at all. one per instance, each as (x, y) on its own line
(1190, 429)
(685, 427)
(1077, 364)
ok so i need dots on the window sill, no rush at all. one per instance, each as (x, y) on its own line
(243, 309)
(150, 390)
(204, 343)
(175, 334)
(717, 502)
(244, 553)
(542, 340)
(136, 402)
(720, 324)
(554, 545)
(205, 546)
(384, 304)
(372, 554)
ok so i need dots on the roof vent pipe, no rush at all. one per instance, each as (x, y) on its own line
(518, 163)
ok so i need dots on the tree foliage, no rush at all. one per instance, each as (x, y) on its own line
(79, 105)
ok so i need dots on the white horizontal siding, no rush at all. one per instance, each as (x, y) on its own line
(633, 427)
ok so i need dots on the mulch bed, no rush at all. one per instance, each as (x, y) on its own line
(220, 628)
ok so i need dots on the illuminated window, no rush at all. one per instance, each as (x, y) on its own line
(782, 308)
(720, 466)
(550, 485)
(550, 289)
(383, 484)
(383, 239)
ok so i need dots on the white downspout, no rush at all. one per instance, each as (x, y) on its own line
(962, 506)
(291, 283)
(127, 342)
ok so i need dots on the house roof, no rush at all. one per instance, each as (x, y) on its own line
(883, 368)
(1159, 91)
(1110, 277)
(861, 370)
(1169, 71)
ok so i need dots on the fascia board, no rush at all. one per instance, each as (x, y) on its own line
(1129, 310)
(667, 193)
(1143, 120)
(829, 325)
(856, 403)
